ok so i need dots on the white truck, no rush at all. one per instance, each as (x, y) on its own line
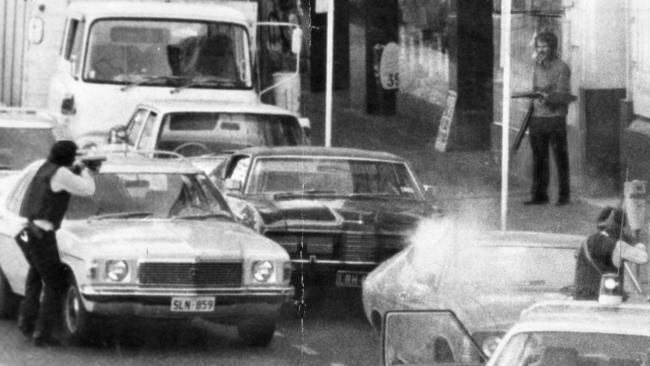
(91, 62)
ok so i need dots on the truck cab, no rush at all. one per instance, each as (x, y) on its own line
(115, 54)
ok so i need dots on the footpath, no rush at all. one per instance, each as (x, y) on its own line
(468, 182)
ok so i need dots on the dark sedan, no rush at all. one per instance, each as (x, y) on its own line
(339, 212)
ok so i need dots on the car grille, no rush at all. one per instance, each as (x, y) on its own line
(201, 274)
(359, 247)
(348, 246)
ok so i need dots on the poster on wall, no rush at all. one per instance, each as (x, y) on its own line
(444, 128)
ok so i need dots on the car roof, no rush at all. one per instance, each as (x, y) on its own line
(170, 106)
(26, 118)
(314, 151)
(159, 9)
(529, 239)
(585, 316)
(138, 162)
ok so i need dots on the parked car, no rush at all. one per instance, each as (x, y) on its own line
(26, 135)
(199, 128)
(555, 333)
(485, 278)
(157, 240)
(338, 212)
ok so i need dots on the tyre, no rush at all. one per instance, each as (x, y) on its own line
(8, 300)
(77, 324)
(257, 331)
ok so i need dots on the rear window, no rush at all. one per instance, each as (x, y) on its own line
(225, 131)
(21, 146)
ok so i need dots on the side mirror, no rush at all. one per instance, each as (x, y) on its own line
(431, 192)
(296, 40)
(36, 30)
(117, 135)
(232, 184)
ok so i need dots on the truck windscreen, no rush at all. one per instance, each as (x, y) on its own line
(168, 53)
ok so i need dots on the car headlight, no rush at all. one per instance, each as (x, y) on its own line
(263, 271)
(116, 270)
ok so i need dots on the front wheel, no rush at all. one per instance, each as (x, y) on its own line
(8, 300)
(257, 331)
(77, 322)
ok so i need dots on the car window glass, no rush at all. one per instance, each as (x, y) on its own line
(21, 146)
(147, 131)
(574, 348)
(240, 169)
(135, 125)
(16, 197)
(162, 195)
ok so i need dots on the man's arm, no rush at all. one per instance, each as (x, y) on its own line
(561, 94)
(79, 185)
(634, 253)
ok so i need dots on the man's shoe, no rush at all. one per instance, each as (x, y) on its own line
(562, 202)
(536, 202)
(41, 340)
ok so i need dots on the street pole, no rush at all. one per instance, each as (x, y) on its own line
(329, 73)
(505, 124)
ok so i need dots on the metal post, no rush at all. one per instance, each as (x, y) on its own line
(505, 123)
(329, 73)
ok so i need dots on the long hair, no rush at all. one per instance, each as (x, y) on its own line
(550, 39)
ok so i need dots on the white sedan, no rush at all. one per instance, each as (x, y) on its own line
(157, 240)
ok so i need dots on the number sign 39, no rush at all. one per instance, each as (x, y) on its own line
(389, 66)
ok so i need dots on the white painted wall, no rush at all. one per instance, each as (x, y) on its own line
(640, 56)
(598, 28)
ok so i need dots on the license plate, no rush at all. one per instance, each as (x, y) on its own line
(192, 304)
(349, 278)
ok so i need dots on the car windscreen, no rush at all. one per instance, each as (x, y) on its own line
(510, 267)
(209, 132)
(338, 176)
(575, 348)
(149, 195)
(171, 53)
(21, 146)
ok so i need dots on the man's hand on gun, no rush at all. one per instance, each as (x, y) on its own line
(93, 163)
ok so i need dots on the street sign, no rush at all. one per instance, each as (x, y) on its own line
(445, 122)
(389, 66)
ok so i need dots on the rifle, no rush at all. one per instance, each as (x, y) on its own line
(522, 129)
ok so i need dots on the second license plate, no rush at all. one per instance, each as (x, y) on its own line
(349, 278)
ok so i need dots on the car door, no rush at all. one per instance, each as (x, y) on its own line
(428, 337)
(12, 261)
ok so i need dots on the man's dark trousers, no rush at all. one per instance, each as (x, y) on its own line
(545, 132)
(46, 273)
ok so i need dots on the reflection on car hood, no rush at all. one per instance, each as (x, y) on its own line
(387, 214)
(494, 311)
(165, 238)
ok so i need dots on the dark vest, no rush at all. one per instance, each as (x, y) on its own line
(41, 203)
(587, 278)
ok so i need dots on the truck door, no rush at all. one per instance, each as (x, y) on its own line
(60, 94)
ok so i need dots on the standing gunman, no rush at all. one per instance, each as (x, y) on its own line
(604, 252)
(45, 205)
(548, 122)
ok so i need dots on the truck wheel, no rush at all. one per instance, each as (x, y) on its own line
(8, 300)
(78, 324)
(257, 331)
